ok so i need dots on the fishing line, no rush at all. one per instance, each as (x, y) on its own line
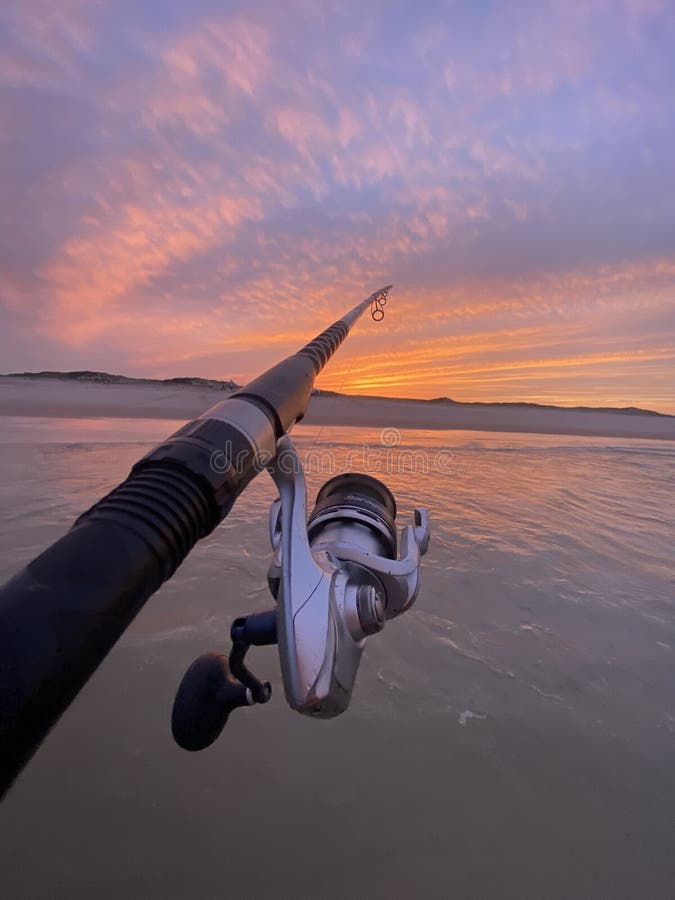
(340, 386)
(377, 304)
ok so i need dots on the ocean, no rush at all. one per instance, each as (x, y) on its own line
(512, 736)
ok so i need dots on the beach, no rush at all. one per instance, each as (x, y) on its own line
(510, 737)
(23, 396)
(283, 284)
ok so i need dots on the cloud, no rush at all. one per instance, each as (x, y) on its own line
(201, 188)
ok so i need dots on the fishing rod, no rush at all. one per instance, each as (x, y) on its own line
(336, 578)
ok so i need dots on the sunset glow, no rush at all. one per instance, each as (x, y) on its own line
(198, 189)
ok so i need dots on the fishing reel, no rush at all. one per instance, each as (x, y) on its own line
(336, 578)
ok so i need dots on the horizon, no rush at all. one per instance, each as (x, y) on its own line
(325, 391)
(206, 188)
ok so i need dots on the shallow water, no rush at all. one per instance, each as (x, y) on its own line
(512, 736)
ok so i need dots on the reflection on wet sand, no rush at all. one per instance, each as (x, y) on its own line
(512, 736)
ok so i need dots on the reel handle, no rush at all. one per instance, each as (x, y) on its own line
(206, 696)
(215, 685)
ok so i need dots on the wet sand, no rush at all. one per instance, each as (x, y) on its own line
(68, 399)
(511, 737)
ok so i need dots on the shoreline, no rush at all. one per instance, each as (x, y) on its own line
(55, 398)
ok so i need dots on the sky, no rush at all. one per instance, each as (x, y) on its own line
(197, 188)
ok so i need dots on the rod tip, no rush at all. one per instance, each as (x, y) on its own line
(383, 290)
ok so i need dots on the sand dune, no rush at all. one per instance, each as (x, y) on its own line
(22, 396)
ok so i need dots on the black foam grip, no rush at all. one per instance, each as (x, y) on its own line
(61, 614)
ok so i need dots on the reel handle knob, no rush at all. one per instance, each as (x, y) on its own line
(205, 698)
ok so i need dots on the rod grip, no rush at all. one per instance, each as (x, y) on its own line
(63, 612)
